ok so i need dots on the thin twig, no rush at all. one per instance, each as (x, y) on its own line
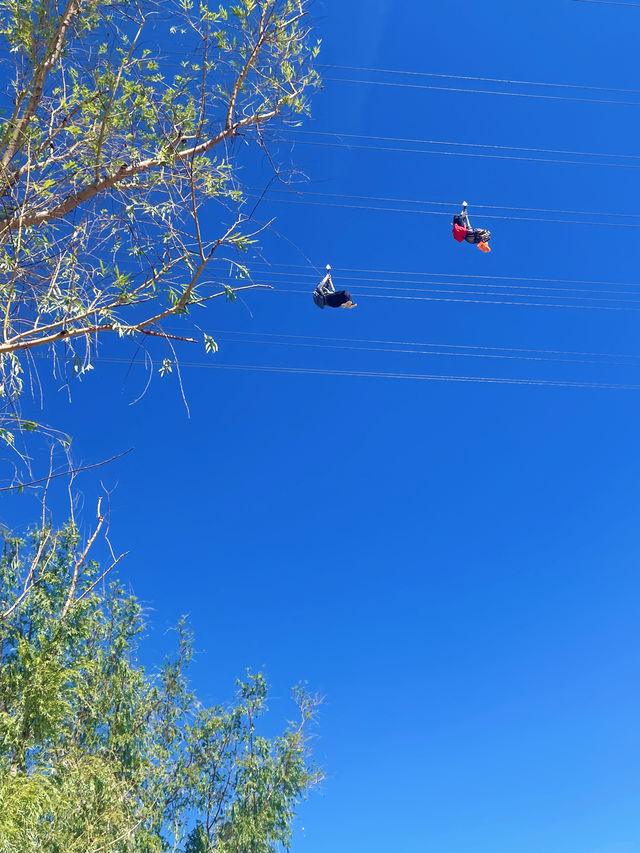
(71, 471)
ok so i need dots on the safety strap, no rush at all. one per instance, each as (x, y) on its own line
(327, 284)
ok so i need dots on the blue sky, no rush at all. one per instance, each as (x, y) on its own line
(452, 565)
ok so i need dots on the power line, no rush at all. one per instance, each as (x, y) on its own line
(425, 344)
(445, 287)
(452, 275)
(512, 295)
(262, 368)
(312, 343)
(480, 91)
(390, 284)
(481, 293)
(476, 301)
(457, 153)
(440, 213)
(461, 144)
(291, 189)
(484, 79)
(608, 3)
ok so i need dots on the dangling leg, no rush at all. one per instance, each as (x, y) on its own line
(339, 299)
(478, 235)
(348, 301)
(483, 237)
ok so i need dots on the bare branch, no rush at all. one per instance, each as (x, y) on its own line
(80, 562)
(93, 585)
(71, 471)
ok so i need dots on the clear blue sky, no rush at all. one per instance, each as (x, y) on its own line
(453, 566)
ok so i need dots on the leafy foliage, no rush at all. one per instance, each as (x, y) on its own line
(109, 149)
(98, 754)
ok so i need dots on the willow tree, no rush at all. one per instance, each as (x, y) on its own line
(98, 754)
(120, 121)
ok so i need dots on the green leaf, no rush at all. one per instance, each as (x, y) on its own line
(166, 367)
(210, 346)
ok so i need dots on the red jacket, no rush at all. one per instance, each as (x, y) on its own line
(459, 232)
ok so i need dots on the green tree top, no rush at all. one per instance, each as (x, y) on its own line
(108, 149)
(97, 754)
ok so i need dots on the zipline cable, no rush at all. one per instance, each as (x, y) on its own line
(299, 131)
(388, 375)
(390, 284)
(479, 91)
(457, 154)
(433, 352)
(426, 344)
(608, 3)
(476, 301)
(349, 270)
(442, 213)
(480, 79)
(291, 190)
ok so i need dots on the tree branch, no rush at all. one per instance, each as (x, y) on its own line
(80, 562)
(16, 344)
(127, 171)
(65, 473)
(73, 7)
(263, 32)
(101, 577)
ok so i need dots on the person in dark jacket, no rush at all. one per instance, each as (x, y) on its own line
(462, 231)
(326, 294)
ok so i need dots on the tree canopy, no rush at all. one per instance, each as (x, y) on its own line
(118, 128)
(97, 753)
(118, 125)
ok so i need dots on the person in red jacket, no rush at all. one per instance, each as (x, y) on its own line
(462, 231)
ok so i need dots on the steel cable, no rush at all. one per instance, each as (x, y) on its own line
(481, 79)
(262, 368)
(451, 275)
(480, 91)
(425, 344)
(459, 154)
(442, 213)
(412, 141)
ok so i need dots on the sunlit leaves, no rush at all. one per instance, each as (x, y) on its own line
(95, 749)
(117, 163)
(241, 242)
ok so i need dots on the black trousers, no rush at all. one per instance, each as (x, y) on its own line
(478, 235)
(337, 298)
